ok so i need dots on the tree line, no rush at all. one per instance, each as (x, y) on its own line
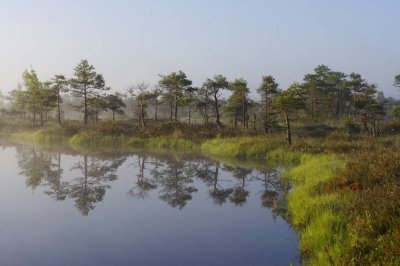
(323, 95)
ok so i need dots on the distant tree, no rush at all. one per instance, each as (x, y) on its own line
(33, 95)
(338, 91)
(189, 99)
(238, 102)
(268, 89)
(115, 103)
(355, 85)
(59, 84)
(322, 88)
(289, 101)
(86, 85)
(155, 95)
(396, 112)
(214, 86)
(17, 101)
(142, 96)
(174, 86)
(204, 102)
(96, 105)
(397, 81)
(369, 107)
(49, 101)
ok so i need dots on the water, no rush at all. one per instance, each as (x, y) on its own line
(64, 208)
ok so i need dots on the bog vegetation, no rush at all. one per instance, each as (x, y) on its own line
(341, 133)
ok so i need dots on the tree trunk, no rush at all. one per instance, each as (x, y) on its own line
(244, 110)
(85, 106)
(58, 108)
(41, 117)
(374, 127)
(142, 114)
(171, 109)
(217, 109)
(113, 115)
(338, 103)
(266, 126)
(34, 118)
(156, 111)
(189, 113)
(288, 130)
(176, 106)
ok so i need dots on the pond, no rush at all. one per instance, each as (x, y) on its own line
(61, 207)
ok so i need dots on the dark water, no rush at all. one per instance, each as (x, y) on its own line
(64, 208)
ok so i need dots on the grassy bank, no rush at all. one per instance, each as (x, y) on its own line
(346, 198)
(93, 140)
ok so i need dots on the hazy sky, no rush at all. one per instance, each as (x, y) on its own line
(135, 41)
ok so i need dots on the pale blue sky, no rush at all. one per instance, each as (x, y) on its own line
(135, 41)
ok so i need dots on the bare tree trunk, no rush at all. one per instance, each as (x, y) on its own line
(156, 111)
(34, 118)
(288, 130)
(171, 108)
(374, 127)
(176, 106)
(189, 113)
(85, 106)
(41, 117)
(266, 129)
(142, 114)
(217, 109)
(244, 110)
(58, 108)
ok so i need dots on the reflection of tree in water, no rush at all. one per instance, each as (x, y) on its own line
(208, 171)
(275, 191)
(90, 188)
(54, 182)
(44, 169)
(239, 194)
(143, 184)
(173, 176)
(175, 179)
(41, 169)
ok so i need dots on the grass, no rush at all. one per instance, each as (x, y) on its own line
(316, 214)
(242, 147)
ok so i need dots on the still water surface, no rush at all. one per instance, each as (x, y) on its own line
(65, 208)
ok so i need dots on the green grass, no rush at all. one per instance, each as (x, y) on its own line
(314, 213)
(242, 147)
(87, 139)
(39, 137)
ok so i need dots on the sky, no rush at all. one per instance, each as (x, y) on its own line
(136, 41)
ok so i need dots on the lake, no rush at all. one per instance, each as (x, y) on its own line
(62, 207)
